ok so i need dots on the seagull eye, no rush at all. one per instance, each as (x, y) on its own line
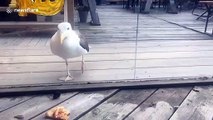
(68, 28)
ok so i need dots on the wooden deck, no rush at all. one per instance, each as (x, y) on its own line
(183, 20)
(116, 104)
(165, 50)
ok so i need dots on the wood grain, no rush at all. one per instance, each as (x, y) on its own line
(82, 102)
(119, 105)
(33, 106)
(160, 105)
(10, 102)
(197, 105)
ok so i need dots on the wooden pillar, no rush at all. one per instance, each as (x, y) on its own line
(69, 12)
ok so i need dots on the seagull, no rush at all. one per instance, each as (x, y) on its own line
(66, 43)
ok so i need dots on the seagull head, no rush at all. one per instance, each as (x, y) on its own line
(64, 29)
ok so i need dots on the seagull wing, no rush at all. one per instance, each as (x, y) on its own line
(83, 43)
(54, 42)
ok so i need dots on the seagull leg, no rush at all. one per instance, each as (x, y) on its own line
(82, 64)
(68, 77)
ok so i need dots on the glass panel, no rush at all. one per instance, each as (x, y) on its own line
(172, 43)
(129, 41)
(112, 46)
(28, 60)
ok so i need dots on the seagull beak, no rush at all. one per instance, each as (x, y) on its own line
(62, 37)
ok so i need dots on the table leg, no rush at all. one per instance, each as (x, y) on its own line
(208, 16)
(202, 14)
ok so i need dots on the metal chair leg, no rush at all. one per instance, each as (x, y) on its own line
(202, 14)
(207, 19)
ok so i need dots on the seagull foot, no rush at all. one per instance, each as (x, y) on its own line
(67, 78)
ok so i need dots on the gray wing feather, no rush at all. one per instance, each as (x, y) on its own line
(83, 43)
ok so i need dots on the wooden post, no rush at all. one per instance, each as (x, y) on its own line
(69, 12)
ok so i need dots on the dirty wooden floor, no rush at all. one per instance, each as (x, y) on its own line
(193, 103)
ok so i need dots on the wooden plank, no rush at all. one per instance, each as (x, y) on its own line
(180, 72)
(69, 11)
(94, 85)
(13, 42)
(103, 65)
(9, 102)
(51, 67)
(106, 75)
(34, 106)
(107, 57)
(19, 41)
(7, 41)
(47, 42)
(41, 43)
(175, 55)
(119, 45)
(197, 105)
(83, 102)
(52, 77)
(175, 49)
(130, 38)
(24, 51)
(10, 42)
(160, 105)
(25, 41)
(145, 32)
(46, 59)
(187, 22)
(33, 41)
(27, 24)
(119, 105)
(146, 28)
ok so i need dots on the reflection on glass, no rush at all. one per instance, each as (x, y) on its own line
(130, 40)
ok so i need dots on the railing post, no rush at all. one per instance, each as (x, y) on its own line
(69, 12)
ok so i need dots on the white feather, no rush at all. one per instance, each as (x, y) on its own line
(71, 45)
